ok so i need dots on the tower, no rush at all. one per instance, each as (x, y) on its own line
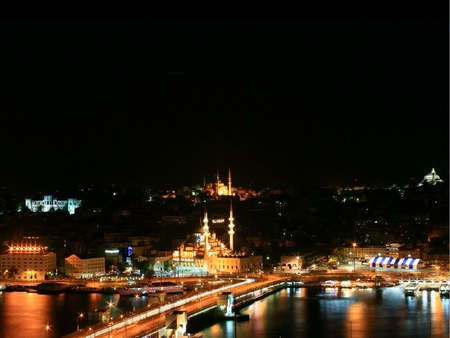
(206, 233)
(229, 182)
(231, 225)
(217, 184)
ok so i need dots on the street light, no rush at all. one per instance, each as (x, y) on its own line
(81, 315)
(354, 266)
(110, 304)
(351, 255)
(47, 327)
(125, 324)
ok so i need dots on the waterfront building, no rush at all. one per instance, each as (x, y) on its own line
(27, 263)
(51, 203)
(206, 254)
(291, 263)
(84, 266)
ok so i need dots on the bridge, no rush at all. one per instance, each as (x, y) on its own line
(151, 321)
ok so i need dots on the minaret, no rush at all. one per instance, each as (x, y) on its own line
(231, 225)
(229, 182)
(206, 233)
(217, 184)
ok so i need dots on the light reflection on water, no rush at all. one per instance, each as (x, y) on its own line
(298, 312)
(25, 314)
(308, 312)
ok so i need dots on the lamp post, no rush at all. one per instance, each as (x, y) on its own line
(379, 255)
(125, 324)
(81, 315)
(354, 258)
(110, 304)
(44, 333)
(351, 255)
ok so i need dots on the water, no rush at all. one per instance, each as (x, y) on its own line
(25, 314)
(315, 313)
(298, 312)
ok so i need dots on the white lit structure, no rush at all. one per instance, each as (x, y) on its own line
(431, 178)
(27, 263)
(51, 203)
(231, 226)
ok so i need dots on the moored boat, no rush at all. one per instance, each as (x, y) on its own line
(141, 290)
(412, 289)
(444, 290)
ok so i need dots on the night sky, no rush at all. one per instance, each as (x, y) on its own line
(163, 102)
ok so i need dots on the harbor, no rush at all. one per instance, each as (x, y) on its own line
(148, 316)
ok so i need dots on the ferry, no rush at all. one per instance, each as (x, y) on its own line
(412, 289)
(329, 284)
(444, 290)
(142, 290)
(346, 284)
(167, 287)
(364, 284)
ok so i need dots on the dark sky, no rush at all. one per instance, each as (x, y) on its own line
(163, 102)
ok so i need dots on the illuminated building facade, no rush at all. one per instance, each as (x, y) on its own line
(27, 263)
(51, 203)
(83, 266)
(208, 255)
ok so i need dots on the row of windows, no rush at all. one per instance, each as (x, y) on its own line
(21, 258)
(31, 266)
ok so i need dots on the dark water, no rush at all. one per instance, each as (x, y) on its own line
(301, 312)
(315, 313)
(26, 314)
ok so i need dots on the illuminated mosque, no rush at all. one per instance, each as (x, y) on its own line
(218, 188)
(208, 255)
(431, 178)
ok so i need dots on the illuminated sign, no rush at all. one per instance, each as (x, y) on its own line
(218, 220)
(392, 246)
(112, 251)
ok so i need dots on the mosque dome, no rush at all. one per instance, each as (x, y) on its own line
(431, 178)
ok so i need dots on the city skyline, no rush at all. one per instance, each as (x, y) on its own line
(164, 103)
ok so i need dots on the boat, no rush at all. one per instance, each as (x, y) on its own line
(412, 289)
(346, 284)
(51, 288)
(15, 288)
(329, 284)
(168, 287)
(444, 290)
(134, 291)
(364, 284)
(156, 287)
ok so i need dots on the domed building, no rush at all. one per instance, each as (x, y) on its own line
(208, 255)
(431, 178)
(218, 189)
